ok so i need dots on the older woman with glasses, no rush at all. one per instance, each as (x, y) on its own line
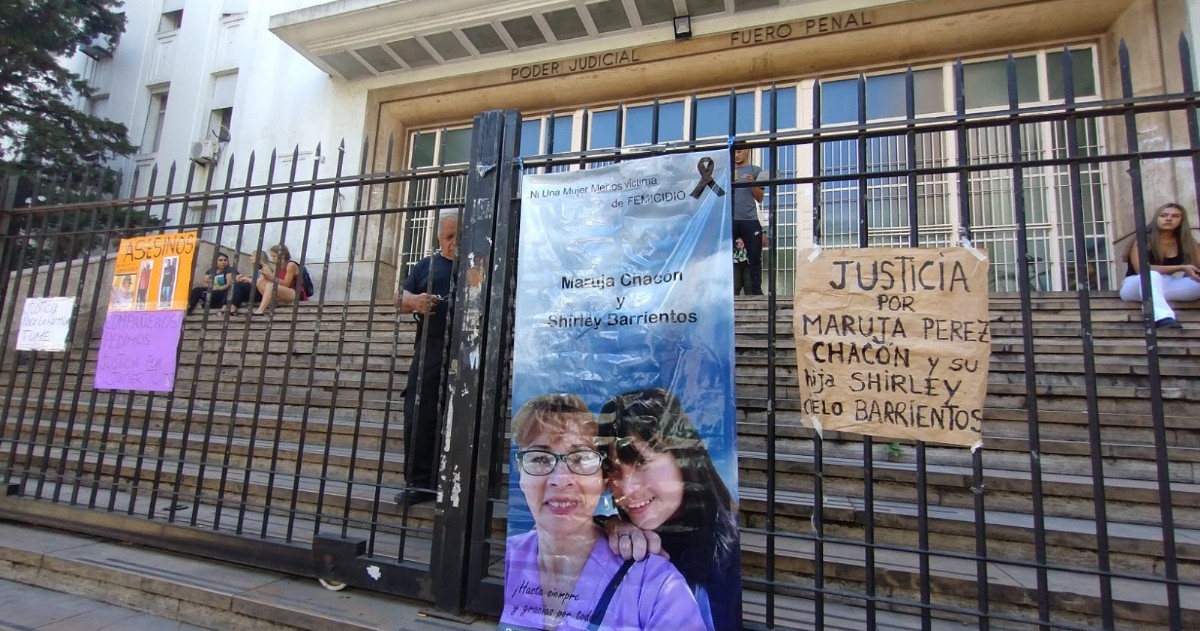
(562, 574)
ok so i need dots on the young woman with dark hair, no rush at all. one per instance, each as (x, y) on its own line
(670, 495)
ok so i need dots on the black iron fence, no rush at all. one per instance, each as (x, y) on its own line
(280, 444)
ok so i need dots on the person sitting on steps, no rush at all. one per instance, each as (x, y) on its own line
(279, 282)
(213, 289)
(1173, 255)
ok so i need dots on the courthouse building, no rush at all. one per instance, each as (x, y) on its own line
(203, 80)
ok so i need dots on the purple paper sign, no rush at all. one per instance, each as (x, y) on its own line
(138, 350)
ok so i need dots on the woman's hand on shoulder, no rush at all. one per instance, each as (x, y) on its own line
(630, 542)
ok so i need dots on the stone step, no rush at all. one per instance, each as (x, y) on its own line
(1070, 493)
(259, 449)
(1132, 548)
(1125, 431)
(948, 470)
(217, 418)
(1070, 544)
(955, 579)
(156, 488)
(1065, 441)
(224, 596)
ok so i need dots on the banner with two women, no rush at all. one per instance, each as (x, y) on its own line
(623, 464)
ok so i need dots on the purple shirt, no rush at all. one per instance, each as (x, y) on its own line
(652, 596)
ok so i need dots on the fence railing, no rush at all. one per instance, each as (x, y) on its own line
(280, 444)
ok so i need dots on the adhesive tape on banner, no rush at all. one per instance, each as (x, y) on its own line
(816, 425)
(970, 247)
(977, 446)
(812, 256)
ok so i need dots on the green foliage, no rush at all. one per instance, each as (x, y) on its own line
(41, 131)
(61, 235)
(50, 151)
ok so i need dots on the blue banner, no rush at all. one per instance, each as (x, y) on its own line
(623, 401)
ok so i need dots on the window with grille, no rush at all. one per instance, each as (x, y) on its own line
(870, 188)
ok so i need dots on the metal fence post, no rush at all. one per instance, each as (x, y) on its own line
(8, 198)
(467, 378)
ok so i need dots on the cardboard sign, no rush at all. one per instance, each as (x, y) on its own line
(894, 342)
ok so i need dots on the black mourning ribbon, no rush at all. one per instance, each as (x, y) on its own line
(705, 166)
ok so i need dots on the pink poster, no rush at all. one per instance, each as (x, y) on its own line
(138, 350)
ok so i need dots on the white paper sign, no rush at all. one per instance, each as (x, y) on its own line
(45, 324)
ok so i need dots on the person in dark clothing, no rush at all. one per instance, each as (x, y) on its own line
(245, 291)
(215, 286)
(746, 225)
(671, 498)
(426, 293)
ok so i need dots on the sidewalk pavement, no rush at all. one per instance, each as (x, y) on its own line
(52, 580)
(28, 608)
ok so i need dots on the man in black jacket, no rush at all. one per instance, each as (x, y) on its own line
(426, 293)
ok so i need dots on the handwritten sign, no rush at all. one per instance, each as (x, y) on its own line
(894, 342)
(45, 324)
(153, 273)
(138, 350)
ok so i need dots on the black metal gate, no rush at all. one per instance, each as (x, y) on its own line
(279, 445)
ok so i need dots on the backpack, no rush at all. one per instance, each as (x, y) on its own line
(306, 281)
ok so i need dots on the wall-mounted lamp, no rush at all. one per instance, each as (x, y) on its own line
(683, 26)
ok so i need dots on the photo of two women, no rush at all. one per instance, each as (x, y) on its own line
(667, 558)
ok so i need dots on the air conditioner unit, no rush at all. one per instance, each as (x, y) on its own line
(205, 152)
(101, 47)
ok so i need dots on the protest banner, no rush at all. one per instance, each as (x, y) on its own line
(45, 324)
(147, 303)
(138, 351)
(894, 342)
(153, 273)
(624, 348)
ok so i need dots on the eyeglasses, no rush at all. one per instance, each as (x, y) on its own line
(541, 462)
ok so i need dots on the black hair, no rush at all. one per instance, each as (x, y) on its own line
(702, 537)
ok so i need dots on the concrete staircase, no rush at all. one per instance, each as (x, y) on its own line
(274, 423)
(1069, 470)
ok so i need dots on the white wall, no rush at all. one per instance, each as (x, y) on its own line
(1193, 27)
(281, 102)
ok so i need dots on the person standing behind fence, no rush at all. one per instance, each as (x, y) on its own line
(745, 217)
(426, 293)
(1174, 257)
